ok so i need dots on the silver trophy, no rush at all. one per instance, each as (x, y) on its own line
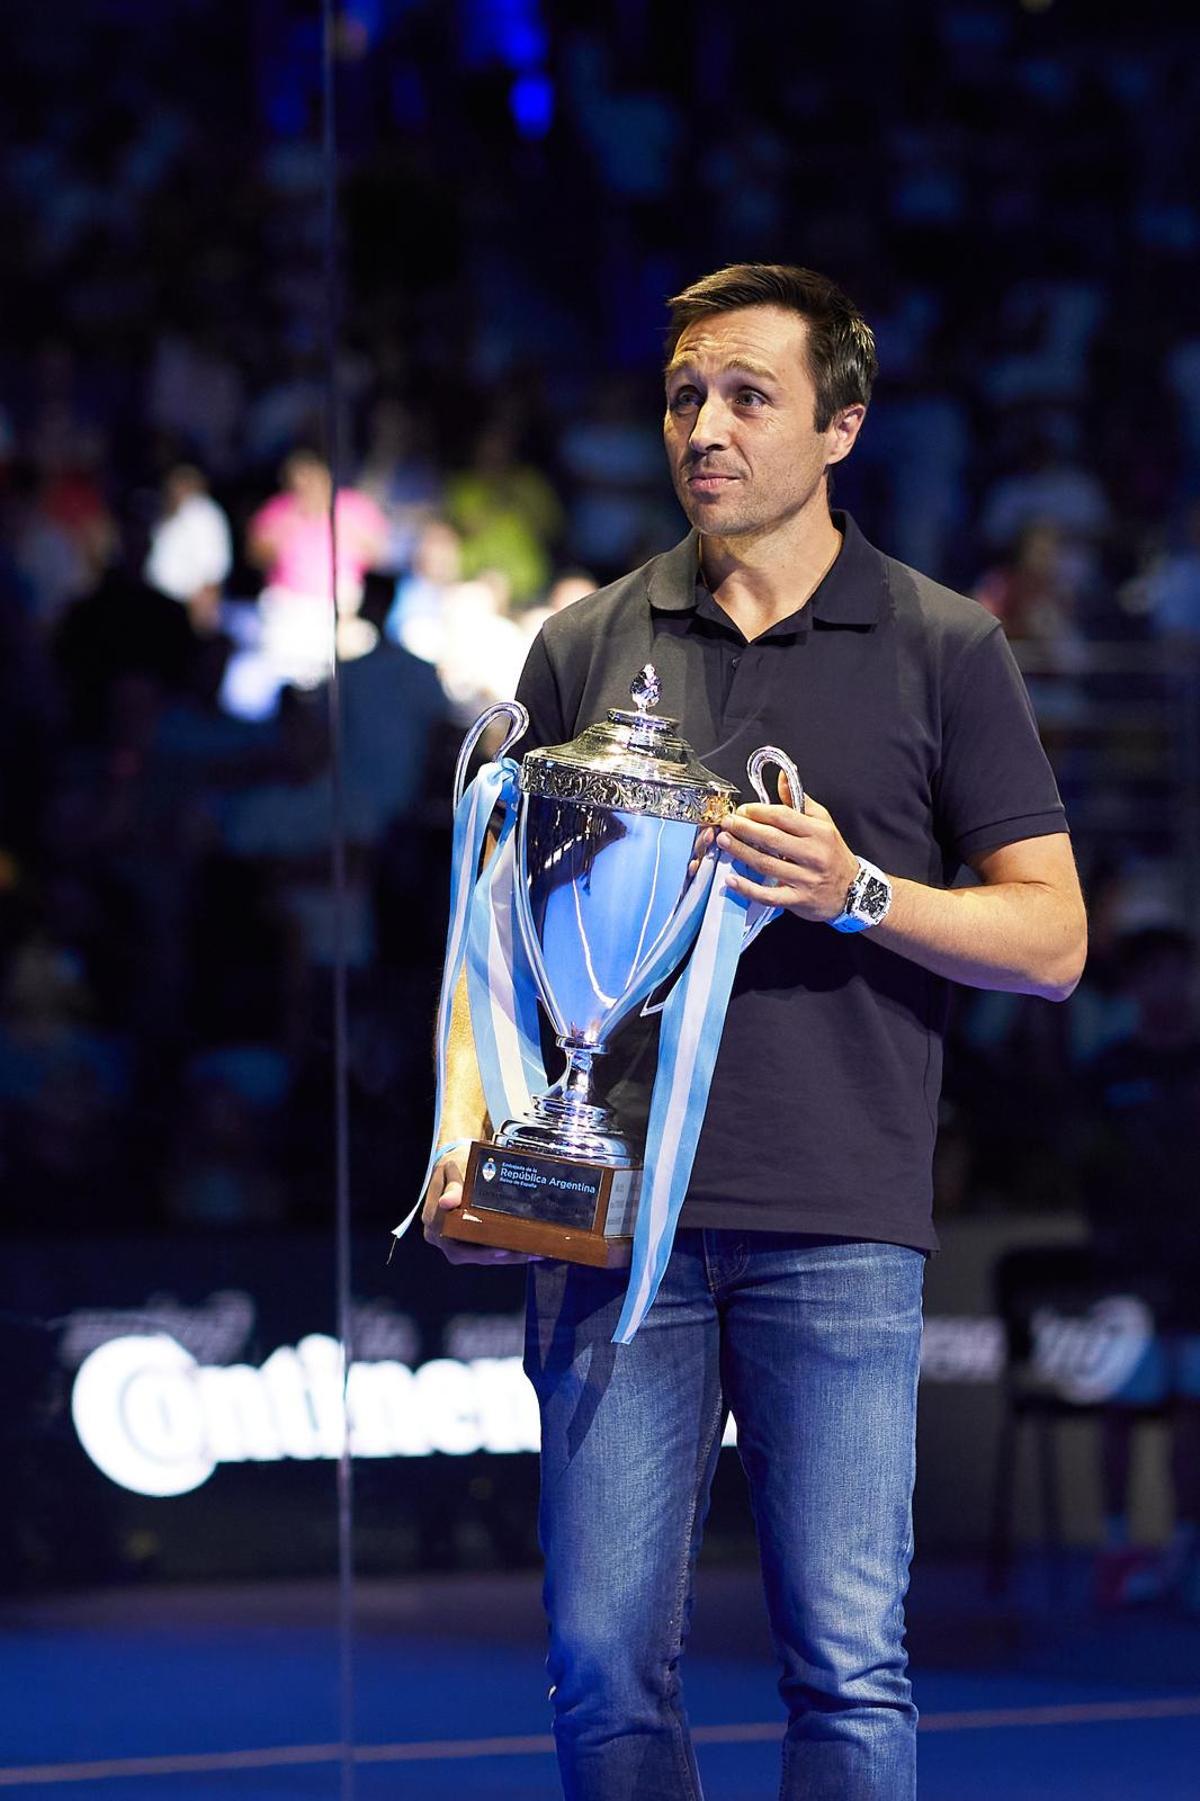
(614, 859)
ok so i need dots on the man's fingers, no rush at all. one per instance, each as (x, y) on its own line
(755, 890)
(451, 1175)
(456, 1250)
(445, 1191)
(444, 1194)
(780, 819)
(768, 863)
(813, 812)
(783, 788)
(750, 838)
(460, 1250)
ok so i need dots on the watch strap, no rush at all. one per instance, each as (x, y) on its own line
(854, 917)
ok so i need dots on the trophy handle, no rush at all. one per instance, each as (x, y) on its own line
(770, 753)
(518, 719)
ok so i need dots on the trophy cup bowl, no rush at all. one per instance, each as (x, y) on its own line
(614, 861)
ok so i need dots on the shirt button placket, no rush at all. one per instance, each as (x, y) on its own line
(739, 661)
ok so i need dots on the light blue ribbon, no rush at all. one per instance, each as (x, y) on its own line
(501, 986)
(495, 785)
(692, 1022)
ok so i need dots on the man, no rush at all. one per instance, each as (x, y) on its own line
(793, 1293)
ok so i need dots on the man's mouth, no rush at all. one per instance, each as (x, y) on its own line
(707, 481)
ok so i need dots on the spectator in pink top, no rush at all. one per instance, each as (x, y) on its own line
(289, 536)
(289, 539)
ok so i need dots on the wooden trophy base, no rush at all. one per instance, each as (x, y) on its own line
(551, 1206)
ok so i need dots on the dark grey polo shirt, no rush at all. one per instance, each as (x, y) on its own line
(906, 716)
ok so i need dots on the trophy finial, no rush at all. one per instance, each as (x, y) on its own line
(645, 688)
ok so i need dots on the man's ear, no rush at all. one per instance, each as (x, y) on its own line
(843, 432)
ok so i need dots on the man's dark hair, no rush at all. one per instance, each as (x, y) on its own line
(841, 345)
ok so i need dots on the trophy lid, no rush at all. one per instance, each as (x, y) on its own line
(633, 762)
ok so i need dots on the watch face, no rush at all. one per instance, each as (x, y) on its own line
(873, 899)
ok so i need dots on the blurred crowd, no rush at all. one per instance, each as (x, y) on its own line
(1011, 195)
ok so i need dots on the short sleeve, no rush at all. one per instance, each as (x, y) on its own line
(538, 691)
(994, 784)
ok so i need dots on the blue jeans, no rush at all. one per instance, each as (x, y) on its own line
(814, 1345)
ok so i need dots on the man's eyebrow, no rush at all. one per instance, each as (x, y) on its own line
(736, 366)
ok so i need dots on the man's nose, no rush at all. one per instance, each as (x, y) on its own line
(710, 430)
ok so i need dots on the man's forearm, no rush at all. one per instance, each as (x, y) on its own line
(1019, 937)
(1023, 930)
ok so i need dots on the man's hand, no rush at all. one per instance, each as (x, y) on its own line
(803, 862)
(445, 1191)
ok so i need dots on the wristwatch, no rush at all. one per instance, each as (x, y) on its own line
(867, 900)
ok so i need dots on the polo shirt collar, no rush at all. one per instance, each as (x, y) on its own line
(852, 592)
(672, 579)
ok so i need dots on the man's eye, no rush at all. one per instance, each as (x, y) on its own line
(682, 398)
(751, 397)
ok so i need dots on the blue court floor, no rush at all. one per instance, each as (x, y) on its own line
(229, 1694)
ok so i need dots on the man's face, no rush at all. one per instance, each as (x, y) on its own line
(744, 451)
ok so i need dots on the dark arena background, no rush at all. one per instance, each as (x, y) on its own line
(428, 242)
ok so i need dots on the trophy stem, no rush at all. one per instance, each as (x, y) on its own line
(566, 1122)
(576, 1079)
